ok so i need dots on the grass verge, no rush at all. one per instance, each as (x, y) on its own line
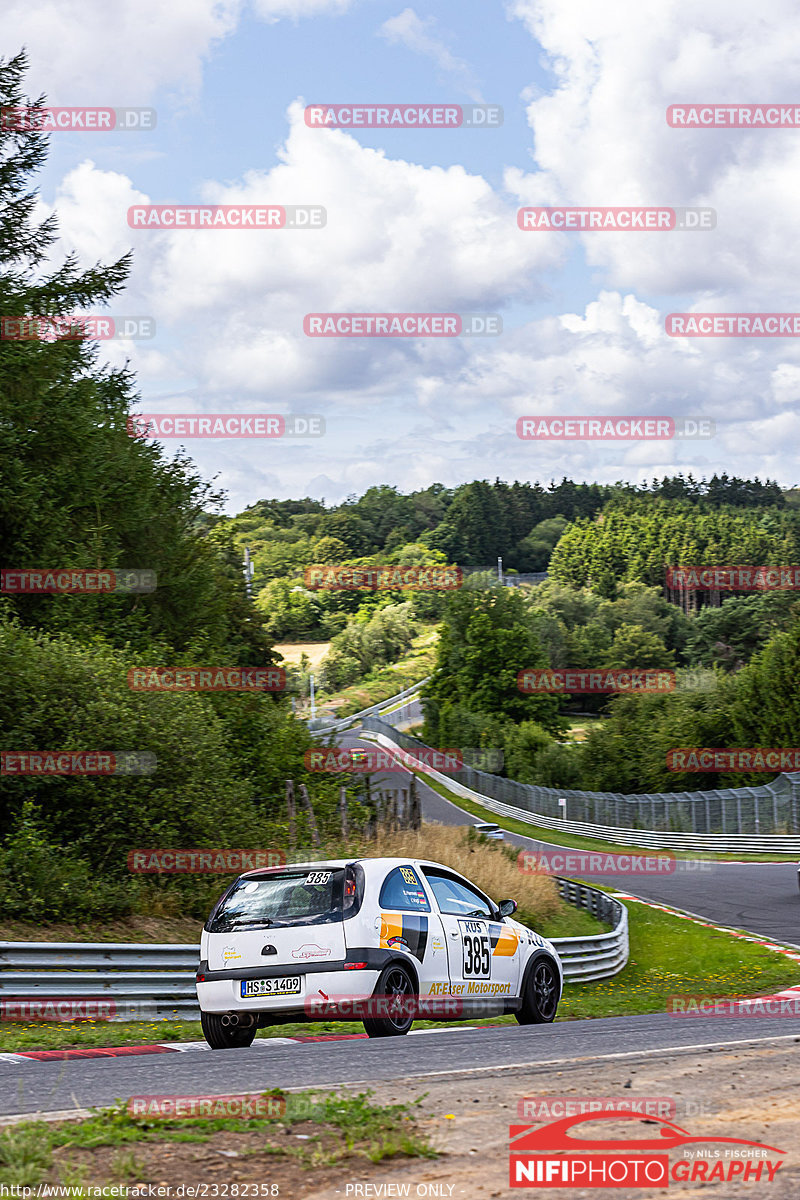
(316, 1133)
(671, 956)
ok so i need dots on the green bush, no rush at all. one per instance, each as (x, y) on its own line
(40, 881)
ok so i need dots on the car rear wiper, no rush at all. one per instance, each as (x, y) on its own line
(253, 921)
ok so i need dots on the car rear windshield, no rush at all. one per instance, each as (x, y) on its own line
(304, 897)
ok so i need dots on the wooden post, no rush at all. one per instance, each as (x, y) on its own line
(290, 813)
(371, 825)
(312, 821)
(343, 811)
(415, 815)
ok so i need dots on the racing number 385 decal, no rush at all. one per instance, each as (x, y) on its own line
(477, 950)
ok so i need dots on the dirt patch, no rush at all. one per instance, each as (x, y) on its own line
(291, 652)
(285, 1160)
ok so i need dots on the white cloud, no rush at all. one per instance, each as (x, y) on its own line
(399, 238)
(601, 138)
(403, 237)
(407, 29)
(116, 52)
(273, 10)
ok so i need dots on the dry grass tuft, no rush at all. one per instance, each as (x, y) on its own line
(490, 865)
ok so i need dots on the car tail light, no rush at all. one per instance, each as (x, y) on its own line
(201, 978)
(355, 966)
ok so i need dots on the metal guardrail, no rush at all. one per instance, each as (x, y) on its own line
(149, 982)
(144, 980)
(735, 819)
(601, 955)
(374, 709)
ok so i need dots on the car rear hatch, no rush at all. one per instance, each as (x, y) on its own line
(291, 918)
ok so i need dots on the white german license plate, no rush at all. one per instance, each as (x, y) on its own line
(288, 985)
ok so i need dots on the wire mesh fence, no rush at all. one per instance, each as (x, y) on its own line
(769, 808)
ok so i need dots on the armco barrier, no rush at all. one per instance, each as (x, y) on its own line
(600, 955)
(772, 804)
(156, 981)
(151, 980)
(320, 730)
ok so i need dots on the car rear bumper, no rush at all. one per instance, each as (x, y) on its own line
(317, 989)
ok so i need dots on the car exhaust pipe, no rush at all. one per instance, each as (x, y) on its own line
(237, 1020)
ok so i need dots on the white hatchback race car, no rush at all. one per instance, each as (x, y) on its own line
(375, 939)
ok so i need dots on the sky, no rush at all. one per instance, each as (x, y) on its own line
(425, 221)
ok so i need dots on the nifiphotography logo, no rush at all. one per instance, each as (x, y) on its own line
(554, 1156)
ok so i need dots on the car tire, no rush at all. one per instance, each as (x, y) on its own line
(226, 1037)
(395, 980)
(540, 993)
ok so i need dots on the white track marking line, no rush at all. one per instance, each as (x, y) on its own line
(67, 1114)
(447, 1029)
(560, 1062)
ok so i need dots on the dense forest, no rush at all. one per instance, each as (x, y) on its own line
(76, 491)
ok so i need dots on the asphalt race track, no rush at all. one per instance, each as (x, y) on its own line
(760, 897)
(33, 1086)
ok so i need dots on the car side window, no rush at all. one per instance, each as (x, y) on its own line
(457, 899)
(402, 889)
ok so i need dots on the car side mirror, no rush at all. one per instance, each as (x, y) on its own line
(507, 907)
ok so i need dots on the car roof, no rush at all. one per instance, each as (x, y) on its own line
(369, 864)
